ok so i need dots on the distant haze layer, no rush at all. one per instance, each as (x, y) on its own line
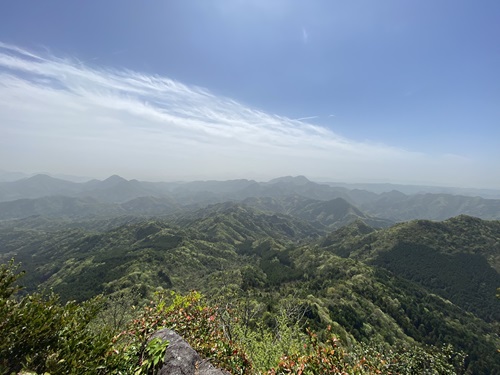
(66, 116)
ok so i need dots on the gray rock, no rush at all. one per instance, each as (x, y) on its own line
(181, 359)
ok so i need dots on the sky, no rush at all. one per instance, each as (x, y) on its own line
(352, 91)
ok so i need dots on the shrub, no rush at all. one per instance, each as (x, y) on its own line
(200, 325)
(329, 357)
(42, 335)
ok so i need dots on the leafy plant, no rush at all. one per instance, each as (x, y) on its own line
(192, 319)
(42, 335)
(154, 352)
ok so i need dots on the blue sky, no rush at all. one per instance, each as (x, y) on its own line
(355, 91)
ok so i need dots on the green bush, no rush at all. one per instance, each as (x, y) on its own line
(330, 357)
(40, 334)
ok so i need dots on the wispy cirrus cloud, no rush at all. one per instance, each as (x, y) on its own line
(57, 113)
(305, 35)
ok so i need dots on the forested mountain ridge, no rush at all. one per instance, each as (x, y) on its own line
(458, 258)
(236, 223)
(322, 214)
(184, 244)
(264, 257)
(332, 214)
(461, 234)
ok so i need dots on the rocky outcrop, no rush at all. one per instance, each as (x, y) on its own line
(181, 359)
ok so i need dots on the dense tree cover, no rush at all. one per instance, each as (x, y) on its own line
(256, 266)
(459, 258)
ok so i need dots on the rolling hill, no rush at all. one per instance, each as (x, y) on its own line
(458, 259)
(417, 283)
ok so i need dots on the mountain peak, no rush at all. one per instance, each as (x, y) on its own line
(110, 182)
(295, 180)
(43, 179)
(114, 179)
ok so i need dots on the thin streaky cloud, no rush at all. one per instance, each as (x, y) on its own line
(306, 118)
(63, 115)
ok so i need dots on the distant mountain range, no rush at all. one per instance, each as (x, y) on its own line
(9, 176)
(419, 189)
(322, 204)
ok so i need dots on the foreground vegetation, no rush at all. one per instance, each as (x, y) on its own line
(42, 335)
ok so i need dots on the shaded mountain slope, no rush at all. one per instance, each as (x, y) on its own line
(116, 189)
(58, 207)
(332, 214)
(300, 185)
(63, 207)
(374, 305)
(458, 259)
(151, 206)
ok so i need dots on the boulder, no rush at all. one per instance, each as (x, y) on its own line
(181, 359)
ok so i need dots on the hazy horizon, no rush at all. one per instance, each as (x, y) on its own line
(374, 186)
(393, 93)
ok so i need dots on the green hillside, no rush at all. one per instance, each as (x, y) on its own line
(459, 258)
(417, 283)
(332, 214)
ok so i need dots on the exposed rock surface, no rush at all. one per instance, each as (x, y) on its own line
(181, 359)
